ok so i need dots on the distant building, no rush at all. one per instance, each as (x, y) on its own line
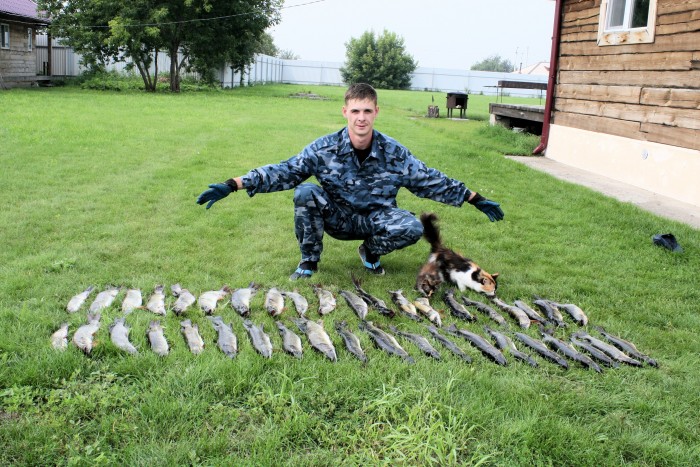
(19, 21)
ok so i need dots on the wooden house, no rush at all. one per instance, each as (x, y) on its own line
(624, 96)
(19, 21)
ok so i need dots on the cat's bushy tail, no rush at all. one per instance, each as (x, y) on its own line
(431, 232)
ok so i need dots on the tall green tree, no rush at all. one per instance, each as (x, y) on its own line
(494, 63)
(201, 33)
(379, 60)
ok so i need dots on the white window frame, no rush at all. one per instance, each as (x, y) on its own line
(5, 36)
(30, 39)
(622, 35)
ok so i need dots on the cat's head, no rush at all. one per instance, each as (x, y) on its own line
(429, 279)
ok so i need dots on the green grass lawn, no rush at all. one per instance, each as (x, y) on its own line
(99, 188)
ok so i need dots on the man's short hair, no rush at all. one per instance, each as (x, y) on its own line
(361, 91)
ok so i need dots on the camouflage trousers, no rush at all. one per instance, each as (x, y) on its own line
(383, 231)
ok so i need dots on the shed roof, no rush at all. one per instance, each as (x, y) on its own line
(24, 9)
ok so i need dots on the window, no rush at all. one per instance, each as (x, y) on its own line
(30, 39)
(626, 22)
(5, 36)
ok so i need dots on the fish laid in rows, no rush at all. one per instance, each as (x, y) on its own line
(550, 311)
(84, 336)
(376, 303)
(352, 342)
(407, 308)
(423, 306)
(156, 337)
(261, 341)
(457, 309)
(77, 301)
(240, 299)
(226, 341)
(192, 337)
(59, 339)
(156, 302)
(318, 337)
(119, 334)
(299, 301)
(612, 351)
(209, 300)
(568, 351)
(505, 343)
(539, 347)
(530, 312)
(274, 302)
(385, 341)
(326, 300)
(420, 341)
(484, 346)
(132, 301)
(448, 344)
(355, 303)
(574, 311)
(595, 353)
(519, 315)
(104, 299)
(626, 346)
(487, 310)
(291, 343)
(185, 299)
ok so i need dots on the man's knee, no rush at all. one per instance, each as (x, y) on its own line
(307, 194)
(406, 228)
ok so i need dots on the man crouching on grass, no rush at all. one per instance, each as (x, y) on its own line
(360, 171)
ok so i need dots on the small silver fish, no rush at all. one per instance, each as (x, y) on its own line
(574, 311)
(209, 300)
(318, 338)
(240, 299)
(131, 301)
(274, 302)
(156, 337)
(355, 303)
(104, 299)
(192, 337)
(77, 301)
(261, 341)
(352, 342)
(291, 343)
(59, 339)
(326, 300)
(226, 341)
(185, 299)
(423, 306)
(156, 303)
(407, 308)
(119, 334)
(300, 302)
(84, 336)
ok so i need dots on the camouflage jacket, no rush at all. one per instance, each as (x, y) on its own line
(358, 187)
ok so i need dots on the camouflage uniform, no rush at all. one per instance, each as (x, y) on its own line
(354, 201)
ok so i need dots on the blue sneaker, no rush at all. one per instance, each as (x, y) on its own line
(304, 271)
(370, 261)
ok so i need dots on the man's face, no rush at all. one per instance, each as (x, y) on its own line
(360, 115)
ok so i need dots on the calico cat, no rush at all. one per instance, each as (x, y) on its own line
(447, 265)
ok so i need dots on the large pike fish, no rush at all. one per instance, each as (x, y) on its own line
(484, 346)
(504, 343)
(355, 303)
(326, 300)
(226, 341)
(104, 299)
(192, 337)
(448, 344)
(59, 339)
(209, 300)
(318, 337)
(626, 346)
(132, 301)
(457, 309)
(519, 315)
(376, 303)
(407, 308)
(539, 347)
(240, 299)
(261, 341)
(595, 353)
(156, 302)
(119, 334)
(77, 300)
(291, 343)
(568, 351)
(185, 299)
(352, 342)
(420, 341)
(156, 337)
(487, 310)
(385, 341)
(84, 336)
(299, 301)
(612, 351)
(423, 306)
(274, 302)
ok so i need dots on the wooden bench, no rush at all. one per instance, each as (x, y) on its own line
(509, 84)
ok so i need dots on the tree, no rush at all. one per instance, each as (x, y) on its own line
(494, 63)
(381, 61)
(202, 33)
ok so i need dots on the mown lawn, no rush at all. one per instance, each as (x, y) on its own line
(99, 188)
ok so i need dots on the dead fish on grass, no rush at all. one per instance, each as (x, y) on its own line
(240, 299)
(407, 308)
(104, 299)
(84, 336)
(448, 344)
(487, 310)
(226, 341)
(568, 351)
(192, 337)
(355, 303)
(291, 343)
(132, 301)
(156, 337)
(119, 335)
(550, 311)
(261, 341)
(385, 341)
(318, 337)
(326, 300)
(504, 343)
(59, 339)
(457, 309)
(530, 312)
(519, 315)
(596, 354)
(185, 299)
(626, 346)
(352, 342)
(209, 300)
(420, 341)
(574, 311)
(539, 347)
(156, 302)
(484, 346)
(423, 306)
(376, 303)
(274, 302)
(77, 300)
(299, 301)
(612, 351)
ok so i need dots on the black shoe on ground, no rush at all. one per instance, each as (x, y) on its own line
(370, 261)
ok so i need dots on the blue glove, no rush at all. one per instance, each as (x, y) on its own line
(490, 208)
(216, 192)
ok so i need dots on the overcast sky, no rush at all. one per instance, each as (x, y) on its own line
(437, 33)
